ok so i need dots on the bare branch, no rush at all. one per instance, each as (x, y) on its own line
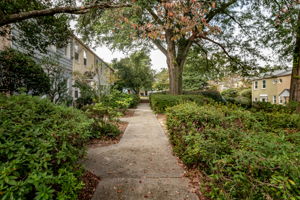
(221, 9)
(219, 44)
(156, 18)
(160, 46)
(13, 18)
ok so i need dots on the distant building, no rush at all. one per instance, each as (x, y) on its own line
(89, 65)
(74, 58)
(61, 55)
(273, 87)
(229, 82)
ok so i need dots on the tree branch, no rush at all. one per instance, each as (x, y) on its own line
(219, 44)
(160, 46)
(206, 54)
(222, 47)
(216, 11)
(156, 18)
(13, 18)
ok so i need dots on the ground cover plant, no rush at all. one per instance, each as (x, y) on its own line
(40, 146)
(106, 111)
(243, 154)
(160, 102)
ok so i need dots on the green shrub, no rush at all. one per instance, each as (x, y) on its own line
(230, 93)
(269, 107)
(243, 154)
(246, 93)
(20, 71)
(213, 94)
(119, 100)
(103, 117)
(160, 102)
(40, 146)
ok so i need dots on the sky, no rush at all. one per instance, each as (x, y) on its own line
(158, 59)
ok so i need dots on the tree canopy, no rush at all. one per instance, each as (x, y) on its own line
(44, 23)
(174, 26)
(134, 72)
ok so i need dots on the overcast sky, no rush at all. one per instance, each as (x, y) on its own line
(158, 59)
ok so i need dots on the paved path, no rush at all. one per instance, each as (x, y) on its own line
(141, 166)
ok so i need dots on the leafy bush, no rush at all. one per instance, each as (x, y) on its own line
(246, 93)
(19, 71)
(269, 107)
(40, 146)
(243, 155)
(160, 102)
(119, 100)
(103, 117)
(87, 94)
(213, 94)
(230, 93)
(238, 97)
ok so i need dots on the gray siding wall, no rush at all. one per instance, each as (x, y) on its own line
(59, 56)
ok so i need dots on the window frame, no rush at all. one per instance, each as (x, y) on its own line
(264, 84)
(255, 85)
(274, 99)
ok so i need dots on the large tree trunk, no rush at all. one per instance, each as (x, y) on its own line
(295, 78)
(175, 76)
(176, 61)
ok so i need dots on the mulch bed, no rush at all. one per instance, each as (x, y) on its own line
(90, 183)
(128, 113)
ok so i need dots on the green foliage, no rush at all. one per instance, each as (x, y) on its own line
(87, 93)
(104, 117)
(134, 72)
(161, 80)
(120, 101)
(41, 144)
(106, 112)
(213, 94)
(59, 92)
(40, 32)
(243, 154)
(19, 71)
(160, 102)
(269, 107)
(230, 93)
(238, 96)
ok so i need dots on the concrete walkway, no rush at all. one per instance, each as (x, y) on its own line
(141, 166)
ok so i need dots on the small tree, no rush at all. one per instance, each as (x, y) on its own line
(134, 72)
(59, 92)
(19, 71)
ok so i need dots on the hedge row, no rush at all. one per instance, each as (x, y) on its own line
(160, 102)
(243, 154)
(40, 146)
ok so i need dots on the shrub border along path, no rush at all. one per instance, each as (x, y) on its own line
(141, 165)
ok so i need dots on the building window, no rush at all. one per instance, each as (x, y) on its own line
(280, 80)
(274, 99)
(255, 84)
(264, 84)
(280, 100)
(264, 99)
(84, 58)
(76, 94)
(255, 99)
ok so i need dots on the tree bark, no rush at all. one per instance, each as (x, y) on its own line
(17, 17)
(295, 77)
